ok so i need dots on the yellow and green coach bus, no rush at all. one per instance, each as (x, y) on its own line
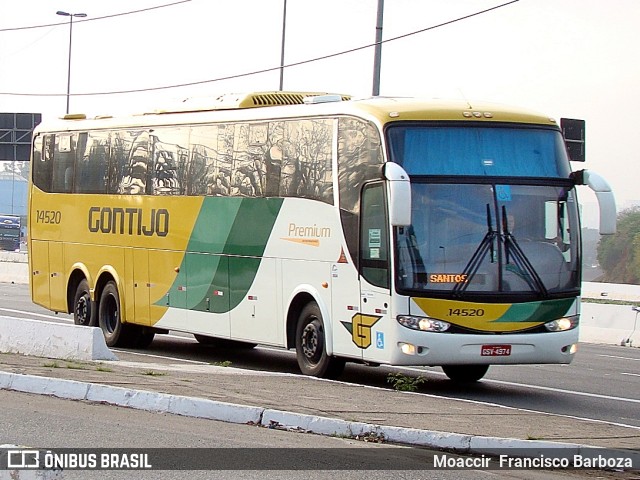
(392, 231)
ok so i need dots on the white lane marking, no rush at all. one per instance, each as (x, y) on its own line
(632, 374)
(200, 368)
(623, 358)
(163, 357)
(52, 317)
(540, 387)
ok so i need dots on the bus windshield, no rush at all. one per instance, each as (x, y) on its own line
(482, 234)
(425, 149)
(474, 238)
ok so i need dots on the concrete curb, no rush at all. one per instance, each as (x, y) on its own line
(243, 414)
(52, 340)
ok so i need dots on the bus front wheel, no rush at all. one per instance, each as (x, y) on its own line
(84, 312)
(311, 351)
(465, 373)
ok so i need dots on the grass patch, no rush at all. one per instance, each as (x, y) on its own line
(226, 363)
(404, 383)
(76, 366)
(52, 365)
(152, 373)
(606, 301)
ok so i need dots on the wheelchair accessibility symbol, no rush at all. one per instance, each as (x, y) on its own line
(379, 340)
(503, 192)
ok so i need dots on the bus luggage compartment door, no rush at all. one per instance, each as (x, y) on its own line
(57, 278)
(39, 256)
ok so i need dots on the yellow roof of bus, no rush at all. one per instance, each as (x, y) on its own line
(247, 107)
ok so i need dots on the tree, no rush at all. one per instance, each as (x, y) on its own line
(619, 254)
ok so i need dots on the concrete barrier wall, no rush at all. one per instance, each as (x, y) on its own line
(52, 340)
(14, 267)
(611, 291)
(613, 324)
(18, 257)
(13, 272)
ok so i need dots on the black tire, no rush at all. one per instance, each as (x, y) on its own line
(465, 373)
(204, 340)
(223, 342)
(109, 314)
(84, 310)
(116, 334)
(311, 351)
(145, 337)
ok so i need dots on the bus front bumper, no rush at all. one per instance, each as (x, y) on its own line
(431, 349)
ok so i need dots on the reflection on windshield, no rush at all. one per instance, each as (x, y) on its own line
(482, 238)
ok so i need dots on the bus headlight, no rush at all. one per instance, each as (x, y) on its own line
(425, 324)
(563, 324)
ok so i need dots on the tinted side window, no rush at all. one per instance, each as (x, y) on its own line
(307, 159)
(92, 163)
(63, 163)
(210, 161)
(43, 146)
(359, 160)
(249, 168)
(374, 236)
(129, 166)
(262, 159)
(169, 154)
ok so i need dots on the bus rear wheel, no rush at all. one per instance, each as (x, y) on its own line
(116, 334)
(84, 312)
(311, 351)
(465, 373)
(145, 337)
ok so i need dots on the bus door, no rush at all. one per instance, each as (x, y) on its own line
(375, 297)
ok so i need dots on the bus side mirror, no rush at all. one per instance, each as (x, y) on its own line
(604, 194)
(399, 195)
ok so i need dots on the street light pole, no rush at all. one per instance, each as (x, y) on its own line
(70, 15)
(378, 50)
(284, 29)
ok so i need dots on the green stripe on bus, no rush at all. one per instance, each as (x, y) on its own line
(537, 312)
(225, 251)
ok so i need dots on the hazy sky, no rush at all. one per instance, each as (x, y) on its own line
(571, 58)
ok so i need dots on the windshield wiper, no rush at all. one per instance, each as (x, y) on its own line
(524, 267)
(486, 245)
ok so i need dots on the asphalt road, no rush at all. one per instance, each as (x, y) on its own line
(53, 424)
(602, 383)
